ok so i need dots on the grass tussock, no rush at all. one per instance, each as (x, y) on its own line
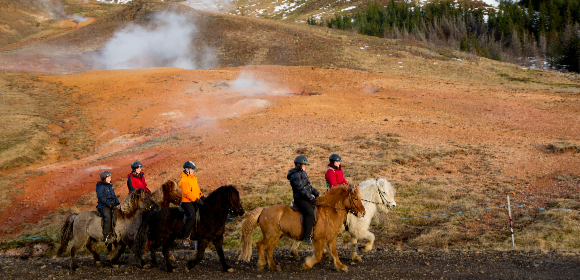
(561, 147)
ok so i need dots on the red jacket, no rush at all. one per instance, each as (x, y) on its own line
(334, 176)
(136, 182)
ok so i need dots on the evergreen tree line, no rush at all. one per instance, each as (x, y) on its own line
(529, 28)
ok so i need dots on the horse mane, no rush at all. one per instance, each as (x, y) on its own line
(164, 195)
(333, 196)
(130, 204)
(370, 192)
(213, 198)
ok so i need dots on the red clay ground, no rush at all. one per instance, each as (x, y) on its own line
(171, 115)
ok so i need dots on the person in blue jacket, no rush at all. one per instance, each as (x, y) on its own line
(304, 194)
(107, 201)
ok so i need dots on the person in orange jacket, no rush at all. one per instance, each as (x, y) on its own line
(191, 197)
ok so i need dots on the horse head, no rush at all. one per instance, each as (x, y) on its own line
(172, 192)
(144, 200)
(386, 193)
(234, 201)
(354, 204)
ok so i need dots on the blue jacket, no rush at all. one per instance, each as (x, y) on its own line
(300, 183)
(105, 194)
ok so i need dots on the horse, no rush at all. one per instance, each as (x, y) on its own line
(280, 220)
(169, 192)
(377, 194)
(166, 225)
(86, 228)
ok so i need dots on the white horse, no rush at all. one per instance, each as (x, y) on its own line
(376, 194)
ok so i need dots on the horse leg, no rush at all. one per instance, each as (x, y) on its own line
(120, 249)
(261, 257)
(269, 251)
(91, 248)
(165, 251)
(332, 246)
(110, 250)
(294, 250)
(371, 240)
(310, 261)
(73, 252)
(354, 248)
(153, 250)
(201, 245)
(218, 243)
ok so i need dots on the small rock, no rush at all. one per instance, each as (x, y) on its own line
(42, 267)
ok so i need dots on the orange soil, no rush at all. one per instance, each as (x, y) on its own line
(233, 138)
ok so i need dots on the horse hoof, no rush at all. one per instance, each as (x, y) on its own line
(230, 270)
(260, 268)
(343, 269)
(147, 266)
(278, 268)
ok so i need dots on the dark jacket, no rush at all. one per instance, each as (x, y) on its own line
(106, 194)
(300, 183)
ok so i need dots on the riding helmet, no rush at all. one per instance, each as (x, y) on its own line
(335, 157)
(105, 174)
(136, 165)
(189, 164)
(301, 159)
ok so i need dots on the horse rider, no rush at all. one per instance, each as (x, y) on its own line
(304, 194)
(136, 179)
(107, 201)
(191, 198)
(334, 175)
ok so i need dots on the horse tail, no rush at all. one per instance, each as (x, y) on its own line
(140, 242)
(66, 233)
(248, 227)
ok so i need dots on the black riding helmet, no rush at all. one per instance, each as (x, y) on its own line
(335, 157)
(136, 165)
(189, 164)
(105, 174)
(301, 160)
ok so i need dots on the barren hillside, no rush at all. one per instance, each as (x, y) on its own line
(451, 131)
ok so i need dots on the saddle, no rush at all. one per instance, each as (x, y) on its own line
(302, 216)
(113, 217)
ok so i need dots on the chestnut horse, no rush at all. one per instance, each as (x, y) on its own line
(280, 220)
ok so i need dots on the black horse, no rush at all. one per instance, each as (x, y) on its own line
(166, 225)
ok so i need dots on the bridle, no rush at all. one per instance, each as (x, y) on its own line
(353, 208)
(382, 195)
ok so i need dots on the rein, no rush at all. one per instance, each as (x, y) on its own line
(347, 210)
(381, 195)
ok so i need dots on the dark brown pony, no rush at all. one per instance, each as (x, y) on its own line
(280, 220)
(165, 225)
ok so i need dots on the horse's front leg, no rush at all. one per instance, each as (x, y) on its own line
(354, 248)
(318, 249)
(332, 247)
(169, 267)
(371, 240)
(294, 250)
(201, 245)
(218, 243)
(120, 249)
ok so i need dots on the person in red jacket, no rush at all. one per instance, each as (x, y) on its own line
(136, 179)
(334, 175)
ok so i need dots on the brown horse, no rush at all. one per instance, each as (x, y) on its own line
(169, 192)
(280, 220)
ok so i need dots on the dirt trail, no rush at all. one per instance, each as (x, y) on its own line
(377, 264)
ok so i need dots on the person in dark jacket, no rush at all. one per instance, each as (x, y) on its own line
(136, 179)
(304, 194)
(107, 201)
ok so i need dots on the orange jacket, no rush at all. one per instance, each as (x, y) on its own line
(189, 188)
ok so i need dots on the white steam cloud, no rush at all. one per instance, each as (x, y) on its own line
(169, 44)
(247, 85)
(210, 5)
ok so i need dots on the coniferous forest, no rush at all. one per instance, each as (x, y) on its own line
(547, 30)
